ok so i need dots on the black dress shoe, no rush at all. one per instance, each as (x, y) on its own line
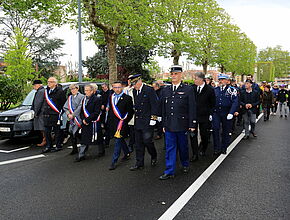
(246, 137)
(153, 162)
(46, 150)
(79, 159)
(202, 153)
(194, 158)
(112, 167)
(73, 152)
(224, 152)
(126, 157)
(134, 168)
(254, 134)
(166, 177)
(56, 149)
(185, 169)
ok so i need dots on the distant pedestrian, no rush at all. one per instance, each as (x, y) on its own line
(267, 102)
(282, 100)
(275, 91)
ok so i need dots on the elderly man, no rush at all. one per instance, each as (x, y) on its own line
(38, 108)
(91, 108)
(178, 117)
(54, 101)
(72, 109)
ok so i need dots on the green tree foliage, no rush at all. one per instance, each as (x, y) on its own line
(276, 57)
(18, 61)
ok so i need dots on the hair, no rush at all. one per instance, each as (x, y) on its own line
(200, 75)
(72, 86)
(105, 84)
(90, 86)
(117, 82)
(94, 86)
(157, 84)
(53, 79)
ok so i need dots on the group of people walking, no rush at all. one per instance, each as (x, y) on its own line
(177, 111)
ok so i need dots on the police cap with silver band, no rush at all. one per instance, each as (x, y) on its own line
(176, 68)
(223, 76)
(134, 78)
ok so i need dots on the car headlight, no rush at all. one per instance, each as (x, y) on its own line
(27, 116)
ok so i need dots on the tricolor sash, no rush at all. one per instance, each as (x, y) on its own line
(71, 110)
(119, 116)
(52, 104)
(95, 126)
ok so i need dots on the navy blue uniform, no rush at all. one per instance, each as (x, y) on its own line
(178, 115)
(226, 103)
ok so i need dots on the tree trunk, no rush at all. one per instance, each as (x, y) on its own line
(175, 54)
(111, 40)
(222, 69)
(204, 65)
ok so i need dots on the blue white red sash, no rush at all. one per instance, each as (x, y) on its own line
(119, 116)
(50, 102)
(71, 110)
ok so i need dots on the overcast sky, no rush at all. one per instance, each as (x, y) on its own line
(266, 22)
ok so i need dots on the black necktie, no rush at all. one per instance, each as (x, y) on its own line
(138, 91)
(198, 90)
(174, 88)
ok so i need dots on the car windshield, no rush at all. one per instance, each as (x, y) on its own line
(29, 98)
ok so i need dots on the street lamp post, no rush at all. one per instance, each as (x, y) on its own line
(80, 71)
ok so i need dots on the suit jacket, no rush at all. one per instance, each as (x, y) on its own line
(38, 108)
(93, 106)
(205, 102)
(178, 108)
(125, 105)
(58, 97)
(146, 107)
(253, 98)
(227, 101)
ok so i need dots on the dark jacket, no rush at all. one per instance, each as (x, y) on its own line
(267, 99)
(282, 95)
(125, 105)
(146, 106)
(205, 102)
(58, 97)
(93, 106)
(252, 98)
(227, 101)
(178, 108)
(38, 108)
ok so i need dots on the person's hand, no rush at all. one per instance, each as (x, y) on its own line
(70, 116)
(163, 130)
(192, 129)
(236, 113)
(107, 109)
(250, 105)
(102, 107)
(152, 123)
(230, 116)
(84, 122)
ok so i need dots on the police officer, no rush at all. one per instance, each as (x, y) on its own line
(226, 106)
(178, 117)
(146, 110)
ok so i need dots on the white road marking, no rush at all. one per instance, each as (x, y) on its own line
(175, 208)
(11, 151)
(21, 159)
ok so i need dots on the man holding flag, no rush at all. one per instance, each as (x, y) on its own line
(72, 108)
(54, 101)
(120, 113)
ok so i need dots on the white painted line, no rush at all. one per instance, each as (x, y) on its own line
(11, 151)
(21, 159)
(175, 208)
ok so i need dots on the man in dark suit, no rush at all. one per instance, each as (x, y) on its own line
(120, 113)
(205, 102)
(91, 108)
(178, 117)
(54, 101)
(146, 104)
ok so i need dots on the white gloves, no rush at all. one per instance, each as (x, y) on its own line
(152, 123)
(230, 116)
(210, 118)
(159, 119)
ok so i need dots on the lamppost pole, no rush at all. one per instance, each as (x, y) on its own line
(80, 71)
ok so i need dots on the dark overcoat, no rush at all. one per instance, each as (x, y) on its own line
(38, 108)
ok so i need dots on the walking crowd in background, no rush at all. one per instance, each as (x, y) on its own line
(130, 113)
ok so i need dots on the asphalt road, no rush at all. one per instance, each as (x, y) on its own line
(252, 183)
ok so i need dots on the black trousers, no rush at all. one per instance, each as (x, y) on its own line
(144, 138)
(204, 134)
(58, 136)
(75, 139)
(132, 138)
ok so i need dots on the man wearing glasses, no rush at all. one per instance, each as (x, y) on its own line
(54, 101)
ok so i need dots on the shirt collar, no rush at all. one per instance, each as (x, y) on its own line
(140, 89)
(201, 86)
(176, 86)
